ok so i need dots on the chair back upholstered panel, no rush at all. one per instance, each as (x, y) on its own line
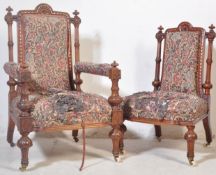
(44, 45)
(183, 59)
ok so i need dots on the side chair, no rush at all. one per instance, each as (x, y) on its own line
(181, 96)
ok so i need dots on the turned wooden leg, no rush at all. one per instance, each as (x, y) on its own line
(24, 143)
(190, 136)
(121, 145)
(10, 131)
(208, 132)
(158, 132)
(116, 136)
(75, 134)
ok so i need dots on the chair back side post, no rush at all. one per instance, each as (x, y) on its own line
(11, 82)
(159, 36)
(9, 20)
(23, 79)
(76, 22)
(210, 36)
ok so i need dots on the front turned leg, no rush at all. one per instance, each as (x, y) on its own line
(75, 134)
(117, 113)
(116, 136)
(10, 132)
(190, 136)
(24, 143)
(121, 145)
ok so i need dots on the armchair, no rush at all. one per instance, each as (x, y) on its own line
(180, 96)
(43, 95)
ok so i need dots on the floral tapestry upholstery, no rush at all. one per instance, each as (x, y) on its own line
(180, 61)
(46, 50)
(11, 69)
(97, 69)
(163, 105)
(62, 107)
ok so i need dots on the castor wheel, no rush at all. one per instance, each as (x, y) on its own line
(23, 168)
(122, 152)
(206, 144)
(76, 139)
(159, 139)
(191, 162)
(117, 159)
(12, 144)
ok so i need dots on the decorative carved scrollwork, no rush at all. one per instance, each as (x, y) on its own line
(44, 8)
(185, 26)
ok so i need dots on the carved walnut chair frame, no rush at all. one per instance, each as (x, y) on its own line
(20, 78)
(202, 88)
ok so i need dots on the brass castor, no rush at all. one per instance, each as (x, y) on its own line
(23, 168)
(12, 144)
(122, 152)
(117, 159)
(191, 162)
(76, 139)
(206, 144)
(159, 139)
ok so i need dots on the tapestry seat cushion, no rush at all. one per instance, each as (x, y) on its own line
(163, 105)
(62, 107)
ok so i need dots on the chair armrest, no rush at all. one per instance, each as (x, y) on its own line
(97, 69)
(11, 69)
(16, 71)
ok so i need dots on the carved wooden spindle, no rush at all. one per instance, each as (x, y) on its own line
(156, 83)
(208, 85)
(11, 82)
(211, 36)
(190, 136)
(9, 20)
(76, 22)
(117, 114)
(25, 120)
(159, 36)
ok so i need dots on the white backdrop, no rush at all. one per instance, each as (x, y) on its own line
(121, 30)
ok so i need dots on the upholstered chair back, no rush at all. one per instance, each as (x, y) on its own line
(183, 59)
(44, 45)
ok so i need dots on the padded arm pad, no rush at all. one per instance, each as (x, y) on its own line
(12, 69)
(97, 69)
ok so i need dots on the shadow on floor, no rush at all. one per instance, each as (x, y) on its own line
(60, 146)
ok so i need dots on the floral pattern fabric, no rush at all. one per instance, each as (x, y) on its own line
(62, 107)
(98, 69)
(162, 105)
(180, 61)
(46, 38)
(11, 69)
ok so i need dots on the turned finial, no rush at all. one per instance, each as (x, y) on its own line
(114, 64)
(211, 34)
(9, 9)
(76, 20)
(9, 17)
(211, 27)
(160, 28)
(76, 13)
(159, 34)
